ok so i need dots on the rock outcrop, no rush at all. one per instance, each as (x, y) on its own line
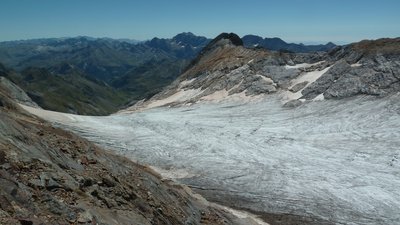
(11, 90)
(367, 67)
(15, 92)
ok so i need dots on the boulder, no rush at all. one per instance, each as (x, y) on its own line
(292, 104)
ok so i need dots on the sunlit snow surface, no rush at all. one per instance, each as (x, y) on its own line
(334, 159)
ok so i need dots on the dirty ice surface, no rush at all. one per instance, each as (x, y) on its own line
(338, 160)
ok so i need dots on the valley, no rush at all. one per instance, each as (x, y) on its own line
(200, 112)
(308, 138)
(325, 162)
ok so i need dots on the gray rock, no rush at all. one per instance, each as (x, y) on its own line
(52, 184)
(108, 181)
(36, 183)
(4, 214)
(292, 104)
(72, 217)
(376, 76)
(52, 181)
(86, 182)
(298, 86)
(345, 87)
(326, 80)
(279, 73)
(55, 206)
(260, 87)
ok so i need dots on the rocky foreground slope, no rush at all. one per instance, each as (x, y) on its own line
(51, 176)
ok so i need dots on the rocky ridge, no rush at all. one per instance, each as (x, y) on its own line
(367, 67)
(225, 70)
(12, 91)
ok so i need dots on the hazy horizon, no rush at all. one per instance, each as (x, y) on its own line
(295, 21)
(137, 40)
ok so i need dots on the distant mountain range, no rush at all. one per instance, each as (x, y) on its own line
(102, 58)
(132, 71)
(122, 71)
(277, 44)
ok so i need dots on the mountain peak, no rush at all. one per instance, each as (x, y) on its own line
(222, 40)
(232, 37)
(188, 38)
(330, 43)
(223, 52)
(184, 34)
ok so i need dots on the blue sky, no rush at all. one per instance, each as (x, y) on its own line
(306, 21)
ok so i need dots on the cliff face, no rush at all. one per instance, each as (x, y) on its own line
(363, 68)
(51, 176)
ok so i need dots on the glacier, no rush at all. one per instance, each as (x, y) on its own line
(336, 160)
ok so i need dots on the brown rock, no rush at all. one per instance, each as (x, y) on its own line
(107, 181)
(84, 160)
(5, 204)
(85, 217)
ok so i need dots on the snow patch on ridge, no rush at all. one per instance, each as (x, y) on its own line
(216, 96)
(178, 97)
(356, 65)
(52, 115)
(267, 79)
(186, 82)
(302, 65)
(173, 173)
(223, 96)
(243, 215)
(320, 97)
(310, 77)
